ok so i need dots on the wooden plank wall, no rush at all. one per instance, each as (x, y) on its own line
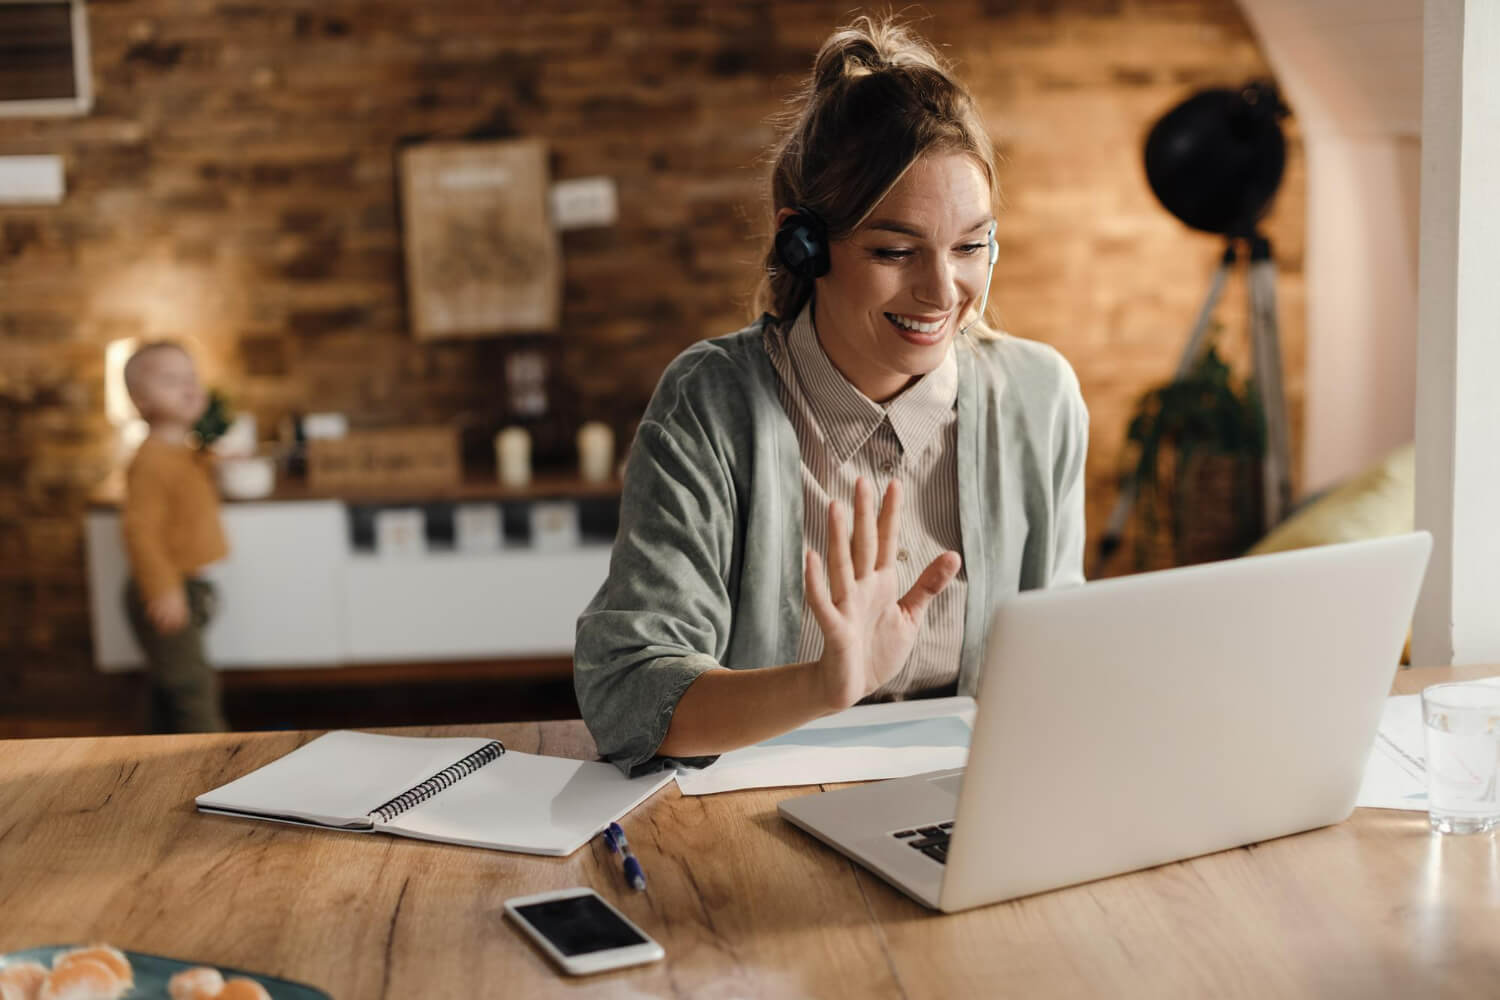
(235, 186)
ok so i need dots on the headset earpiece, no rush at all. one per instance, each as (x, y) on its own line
(802, 244)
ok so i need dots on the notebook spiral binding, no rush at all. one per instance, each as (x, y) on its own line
(491, 751)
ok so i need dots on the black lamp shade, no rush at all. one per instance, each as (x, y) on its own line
(1216, 160)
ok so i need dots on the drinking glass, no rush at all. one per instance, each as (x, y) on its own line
(1462, 726)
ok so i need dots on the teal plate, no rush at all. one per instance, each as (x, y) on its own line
(153, 971)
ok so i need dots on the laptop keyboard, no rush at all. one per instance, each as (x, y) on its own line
(930, 840)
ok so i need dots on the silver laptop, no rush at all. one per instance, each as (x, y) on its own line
(1142, 720)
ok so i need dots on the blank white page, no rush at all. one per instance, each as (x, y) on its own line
(341, 777)
(522, 802)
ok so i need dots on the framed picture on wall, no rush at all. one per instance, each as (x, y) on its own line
(44, 58)
(482, 255)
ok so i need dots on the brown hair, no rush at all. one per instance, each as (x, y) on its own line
(877, 101)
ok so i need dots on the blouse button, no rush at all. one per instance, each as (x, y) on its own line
(888, 466)
(901, 556)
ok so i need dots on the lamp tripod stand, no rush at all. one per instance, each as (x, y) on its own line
(1276, 484)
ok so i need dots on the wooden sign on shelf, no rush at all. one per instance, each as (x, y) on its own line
(399, 459)
(482, 255)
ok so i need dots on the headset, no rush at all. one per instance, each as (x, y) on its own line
(994, 246)
(802, 244)
(802, 247)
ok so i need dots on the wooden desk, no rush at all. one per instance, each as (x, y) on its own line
(99, 841)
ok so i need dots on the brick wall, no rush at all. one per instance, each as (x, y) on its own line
(235, 185)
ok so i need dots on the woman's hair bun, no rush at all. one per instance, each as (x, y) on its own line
(878, 99)
(868, 46)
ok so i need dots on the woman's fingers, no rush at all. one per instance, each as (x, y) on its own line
(840, 568)
(816, 585)
(888, 527)
(865, 540)
(938, 574)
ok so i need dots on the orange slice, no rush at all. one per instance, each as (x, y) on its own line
(22, 981)
(243, 989)
(200, 983)
(82, 979)
(102, 953)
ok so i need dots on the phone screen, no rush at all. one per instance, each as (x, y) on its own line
(579, 925)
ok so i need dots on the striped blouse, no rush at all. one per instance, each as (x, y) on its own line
(843, 435)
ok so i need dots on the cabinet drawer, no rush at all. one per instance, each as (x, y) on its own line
(514, 602)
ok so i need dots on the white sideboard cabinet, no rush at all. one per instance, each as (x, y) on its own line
(295, 593)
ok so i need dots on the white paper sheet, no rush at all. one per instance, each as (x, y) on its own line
(1396, 773)
(891, 740)
(912, 737)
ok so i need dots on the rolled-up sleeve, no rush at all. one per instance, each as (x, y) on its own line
(663, 616)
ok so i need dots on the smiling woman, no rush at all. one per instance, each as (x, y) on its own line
(756, 583)
(899, 286)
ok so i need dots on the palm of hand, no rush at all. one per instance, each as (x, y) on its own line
(868, 630)
(876, 634)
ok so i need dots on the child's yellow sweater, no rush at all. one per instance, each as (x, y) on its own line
(171, 516)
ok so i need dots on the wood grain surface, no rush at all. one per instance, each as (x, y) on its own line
(99, 840)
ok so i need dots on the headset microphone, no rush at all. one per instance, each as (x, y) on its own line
(994, 248)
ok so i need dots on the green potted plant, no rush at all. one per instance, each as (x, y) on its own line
(1198, 443)
(215, 419)
(242, 472)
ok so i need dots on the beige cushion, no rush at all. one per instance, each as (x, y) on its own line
(1373, 504)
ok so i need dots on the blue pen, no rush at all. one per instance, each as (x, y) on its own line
(615, 838)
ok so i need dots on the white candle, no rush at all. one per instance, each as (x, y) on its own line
(513, 456)
(596, 452)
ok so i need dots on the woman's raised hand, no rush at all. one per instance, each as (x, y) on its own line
(868, 629)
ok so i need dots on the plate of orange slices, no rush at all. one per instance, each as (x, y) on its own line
(102, 972)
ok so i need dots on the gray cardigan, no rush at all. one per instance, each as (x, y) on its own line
(707, 566)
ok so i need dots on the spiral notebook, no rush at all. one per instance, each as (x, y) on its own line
(457, 790)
